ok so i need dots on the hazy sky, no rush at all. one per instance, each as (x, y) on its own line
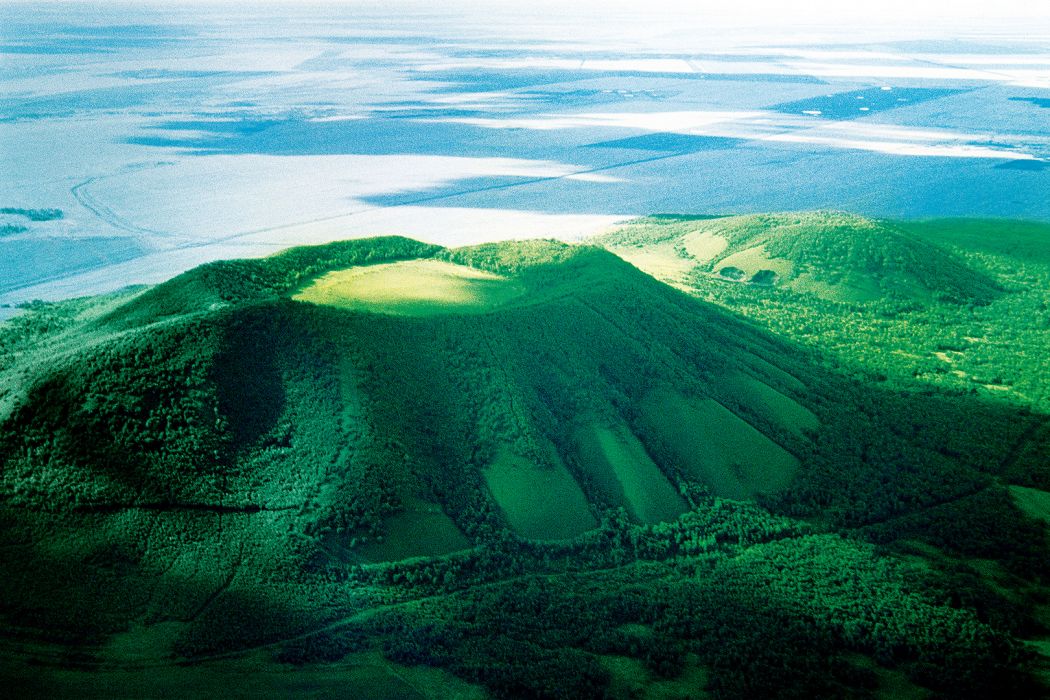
(647, 20)
(765, 12)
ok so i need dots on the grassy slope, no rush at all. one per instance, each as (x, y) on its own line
(716, 447)
(933, 338)
(624, 472)
(222, 456)
(411, 288)
(839, 257)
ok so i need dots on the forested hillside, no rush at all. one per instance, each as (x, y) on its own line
(520, 469)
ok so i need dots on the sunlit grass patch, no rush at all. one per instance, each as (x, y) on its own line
(411, 288)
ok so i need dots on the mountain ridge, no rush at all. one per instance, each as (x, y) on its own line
(240, 468)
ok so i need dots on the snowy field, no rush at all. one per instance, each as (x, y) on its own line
(176, 136)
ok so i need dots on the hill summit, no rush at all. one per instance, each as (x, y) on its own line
(833, 255)
(528, 385)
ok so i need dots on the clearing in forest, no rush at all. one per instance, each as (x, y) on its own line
(540, 502)
(620, 466)
(716, 446)
(411, 288)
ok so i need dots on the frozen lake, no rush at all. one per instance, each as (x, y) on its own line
(168, 138)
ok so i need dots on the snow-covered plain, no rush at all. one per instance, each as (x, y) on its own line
(172, 135)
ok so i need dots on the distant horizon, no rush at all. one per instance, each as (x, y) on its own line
(177, 133)
(760, 13)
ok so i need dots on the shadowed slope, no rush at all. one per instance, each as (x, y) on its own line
(217, 466)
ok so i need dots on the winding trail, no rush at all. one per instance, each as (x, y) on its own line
(104, 213)
(81, 193)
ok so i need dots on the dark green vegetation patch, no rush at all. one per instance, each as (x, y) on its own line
(538, 472)
(33, 214)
